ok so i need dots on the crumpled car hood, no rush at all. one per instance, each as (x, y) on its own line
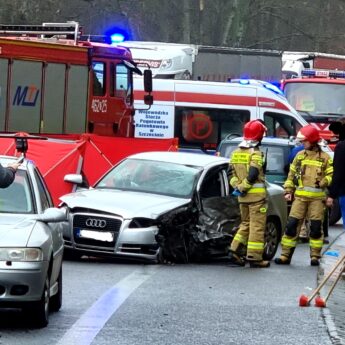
(15, 230)
(123, 203)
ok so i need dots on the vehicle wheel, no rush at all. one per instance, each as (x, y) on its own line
(39, 311)
(272, 238)
(56, 300)
(335, 213)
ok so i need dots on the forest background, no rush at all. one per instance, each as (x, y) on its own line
(295, 25)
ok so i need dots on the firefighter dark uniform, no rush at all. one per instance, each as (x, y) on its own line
(309, 175)
(247, 178)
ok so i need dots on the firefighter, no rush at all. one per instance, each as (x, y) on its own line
(309, 175)
(248, 180)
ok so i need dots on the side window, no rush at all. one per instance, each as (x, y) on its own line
(121, 82)
(46, 201)
(212, 185)
(206, 127)
(98, 76)
(281, 125)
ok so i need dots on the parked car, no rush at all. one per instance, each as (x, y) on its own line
(172, 206)
(31, 248)
(277, 151)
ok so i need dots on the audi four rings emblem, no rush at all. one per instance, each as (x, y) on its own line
(96, 223)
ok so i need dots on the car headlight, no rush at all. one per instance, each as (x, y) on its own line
(142, 223)
(166, 63)
(21, 254)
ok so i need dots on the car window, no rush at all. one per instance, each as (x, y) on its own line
(212, 185)
(17, 198)
(44, 198)
(276, 158)
(152, 177)
(281, 125)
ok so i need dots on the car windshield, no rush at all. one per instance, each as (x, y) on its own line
(151, 176)
(17, 198)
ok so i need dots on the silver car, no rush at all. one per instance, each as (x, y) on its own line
(171, 206)
(31, 245)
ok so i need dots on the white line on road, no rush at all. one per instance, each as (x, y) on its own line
(92, 321)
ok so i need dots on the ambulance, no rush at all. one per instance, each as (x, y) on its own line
(201, 113)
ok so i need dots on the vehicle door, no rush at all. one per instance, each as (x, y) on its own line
(219, 210)
(56, 229)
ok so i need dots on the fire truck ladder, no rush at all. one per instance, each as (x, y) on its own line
(68, 30)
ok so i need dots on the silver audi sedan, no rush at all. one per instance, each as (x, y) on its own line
(31, 245)
(162, 206)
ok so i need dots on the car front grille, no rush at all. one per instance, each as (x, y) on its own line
(95, 231)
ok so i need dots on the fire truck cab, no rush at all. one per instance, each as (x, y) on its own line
(319, 96)
(201, 113)
(52, 82)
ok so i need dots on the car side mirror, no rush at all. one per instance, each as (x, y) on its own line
(52, 215)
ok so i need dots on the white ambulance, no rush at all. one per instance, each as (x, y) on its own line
(200, 113)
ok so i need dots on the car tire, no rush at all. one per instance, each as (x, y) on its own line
(272, 238)
(39, 311)
(335, 213)
(56, 300)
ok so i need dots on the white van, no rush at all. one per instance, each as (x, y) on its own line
(201, 113)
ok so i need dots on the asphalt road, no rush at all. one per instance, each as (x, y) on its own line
(107, 302)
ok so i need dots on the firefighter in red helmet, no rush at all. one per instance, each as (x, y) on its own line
(248, 180)
(309, 175)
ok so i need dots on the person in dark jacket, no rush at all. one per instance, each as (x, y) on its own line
(337, 187)
(7, 174)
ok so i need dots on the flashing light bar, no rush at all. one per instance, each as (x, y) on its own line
(323, 73)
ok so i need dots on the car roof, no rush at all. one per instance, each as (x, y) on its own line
(265, 140)
(185, 158)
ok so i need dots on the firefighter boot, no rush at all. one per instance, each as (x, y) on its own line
(314, 261)
(236, 259)
(259, 264)
(282, 260)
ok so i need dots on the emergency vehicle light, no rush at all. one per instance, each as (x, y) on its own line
(117, 38)
(323, 73)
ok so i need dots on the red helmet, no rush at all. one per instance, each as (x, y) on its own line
(254, 130)
(309, 133)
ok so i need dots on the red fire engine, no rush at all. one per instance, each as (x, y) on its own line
(54, 84)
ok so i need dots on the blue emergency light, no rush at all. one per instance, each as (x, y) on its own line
(117, 38)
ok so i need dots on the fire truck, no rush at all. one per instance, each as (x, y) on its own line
(202, 113)
(316, 87)
(76, 92)
(52, 81)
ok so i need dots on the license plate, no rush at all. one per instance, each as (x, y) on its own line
(96, 235)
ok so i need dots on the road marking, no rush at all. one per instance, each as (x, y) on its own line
(92, 321)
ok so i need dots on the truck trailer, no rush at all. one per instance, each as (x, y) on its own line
(199, 62)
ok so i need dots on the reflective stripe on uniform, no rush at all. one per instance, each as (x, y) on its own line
(311, 162)
(328, 179)
(288, 243)
(256, 245)
(257, 159)
(329, 170)
(315, 243)
(240, 238)
(310, 192)
(257, 188)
